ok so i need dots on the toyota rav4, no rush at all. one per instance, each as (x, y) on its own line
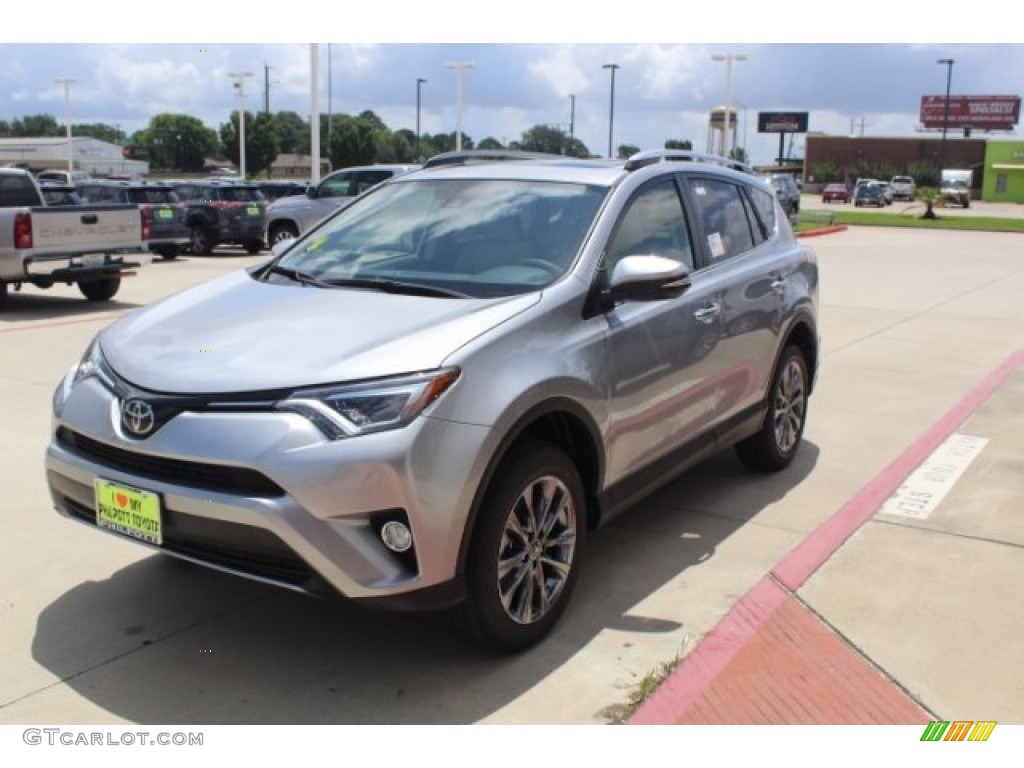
(430, 399)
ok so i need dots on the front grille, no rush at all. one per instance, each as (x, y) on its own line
(193, 474)
(239, 548)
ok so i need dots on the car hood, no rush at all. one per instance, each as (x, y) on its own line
(238, 334)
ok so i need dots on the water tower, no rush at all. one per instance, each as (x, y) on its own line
(717, 130)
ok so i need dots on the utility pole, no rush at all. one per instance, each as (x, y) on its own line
(611, 107)
(240, 87)
(572, 119)
(458, 66)
(67, 82)
(266, 89)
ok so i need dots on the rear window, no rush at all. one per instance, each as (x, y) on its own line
(17, 190)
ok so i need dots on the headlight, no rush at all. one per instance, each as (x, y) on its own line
(92, 364)
(347, 410)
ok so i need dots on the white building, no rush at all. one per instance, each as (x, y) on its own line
(95, 157)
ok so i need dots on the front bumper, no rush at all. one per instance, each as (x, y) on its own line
(264, 495)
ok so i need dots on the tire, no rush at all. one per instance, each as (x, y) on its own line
(504, 611)
(773, 447)
(100, 290)
(282, 231)
(3, 294)
(252, 247)
(202, 241)
(167, 254)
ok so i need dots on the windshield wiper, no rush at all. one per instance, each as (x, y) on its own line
(299, 276)
(394, 286)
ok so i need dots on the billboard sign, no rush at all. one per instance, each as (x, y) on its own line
(985, 113)
(782, 122)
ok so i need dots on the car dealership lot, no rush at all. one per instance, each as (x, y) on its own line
(99, 630)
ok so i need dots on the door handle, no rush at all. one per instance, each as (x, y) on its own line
(778, 287)
(707, 313)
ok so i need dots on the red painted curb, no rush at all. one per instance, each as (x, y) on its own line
(697, 671)
(823, 231)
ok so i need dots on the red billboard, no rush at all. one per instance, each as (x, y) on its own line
(985, 113)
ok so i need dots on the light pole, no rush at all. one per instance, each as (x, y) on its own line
(945, 115)
(419, 152)
(458, 66)
(728, 58)
(572, 121)
(239, 78)
(67, 82)
(611, 108)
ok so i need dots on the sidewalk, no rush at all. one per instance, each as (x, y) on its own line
(902, 608)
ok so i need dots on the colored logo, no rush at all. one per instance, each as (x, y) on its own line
(958, 730)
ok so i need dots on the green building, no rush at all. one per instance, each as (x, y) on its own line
(1004, 172)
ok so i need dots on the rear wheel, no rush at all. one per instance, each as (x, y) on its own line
(525, 553)
(775, 445)
(3, 293)
(100, 290)
(201, 240)
(167, 254)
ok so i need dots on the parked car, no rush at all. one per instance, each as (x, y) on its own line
(868, 194)
(787, 191)
(167, 216)
(60, 194)
(430, 399)
(62, 177)
(835, 193)
(291, 216)
(886, 191)
(221, 211)
(903, 187)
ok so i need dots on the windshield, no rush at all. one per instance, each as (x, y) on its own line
(479, 238)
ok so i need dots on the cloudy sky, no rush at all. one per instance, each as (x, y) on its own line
(528, 60)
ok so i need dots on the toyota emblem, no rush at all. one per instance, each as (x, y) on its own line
(137, 417)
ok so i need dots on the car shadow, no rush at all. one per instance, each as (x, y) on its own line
(165, 642)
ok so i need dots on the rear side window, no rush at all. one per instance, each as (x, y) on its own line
(764, 205)
(17, 191)
(727, 227)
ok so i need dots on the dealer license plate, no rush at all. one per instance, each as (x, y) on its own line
(253, 210)
(129, 511)
(165, 213)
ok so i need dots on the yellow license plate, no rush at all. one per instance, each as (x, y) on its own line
(253, 210)
(165, 213)
(129, 511)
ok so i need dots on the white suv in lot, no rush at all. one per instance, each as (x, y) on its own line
(903, 187)
(429, 400)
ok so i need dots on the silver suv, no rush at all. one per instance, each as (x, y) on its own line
(290, 216)
(429, 400)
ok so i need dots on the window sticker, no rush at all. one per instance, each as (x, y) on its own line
(716, 245)
(699, 189)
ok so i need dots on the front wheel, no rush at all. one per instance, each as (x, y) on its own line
(100, 290)
(281, 232)
(774, 446)
(201, 240)
(526, 552)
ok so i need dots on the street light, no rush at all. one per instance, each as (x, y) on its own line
(458, 66)
(611, 108)
(728, 58)
(239, 78)
(945, 115)
(419, 84)
(67, 82)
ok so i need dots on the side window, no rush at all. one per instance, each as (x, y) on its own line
(368, 179)
(764, 205)
(653, 224)
(336, 186)
(723, 216)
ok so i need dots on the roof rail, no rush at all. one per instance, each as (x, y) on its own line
(468, 156)
(651, 156)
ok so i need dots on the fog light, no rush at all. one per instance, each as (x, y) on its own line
(396, 536)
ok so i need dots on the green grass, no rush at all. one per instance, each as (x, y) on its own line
(943, 220)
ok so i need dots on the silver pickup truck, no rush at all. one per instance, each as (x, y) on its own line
(93, 246)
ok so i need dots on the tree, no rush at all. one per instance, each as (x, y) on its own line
(544, 138)
(260, 141)
(175, 141)
(36, 125)
(678, 144)
(352, 142)
(490, 143)
(101, 131)
(739, 154)
(625, 150)
(292, 133)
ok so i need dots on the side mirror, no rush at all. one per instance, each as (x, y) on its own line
(312, 192)
(647, 278)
